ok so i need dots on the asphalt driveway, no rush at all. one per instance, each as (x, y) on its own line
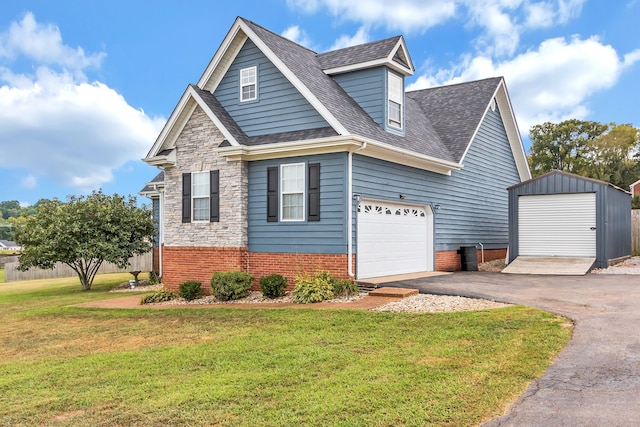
(596, 379)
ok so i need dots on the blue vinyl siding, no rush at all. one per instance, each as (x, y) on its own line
(474, 201)
(367, 88)
(327, 236)
(279, 107)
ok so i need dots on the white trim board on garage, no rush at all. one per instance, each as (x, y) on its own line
(560, 266)
(393, 238)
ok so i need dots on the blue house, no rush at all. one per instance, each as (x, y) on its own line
(280, 159)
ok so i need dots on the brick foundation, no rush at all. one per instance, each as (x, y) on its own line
(289, 265)
(184, 263)
(450, 260)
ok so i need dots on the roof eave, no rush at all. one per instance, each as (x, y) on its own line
(164, 161)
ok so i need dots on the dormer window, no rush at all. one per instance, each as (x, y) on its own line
(248, 84)
(395, 92)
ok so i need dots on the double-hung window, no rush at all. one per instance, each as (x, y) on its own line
(248, 84)
(200, 194)
(396, 94)
(292, 186)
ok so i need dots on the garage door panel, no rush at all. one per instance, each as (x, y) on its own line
(392, 239)
(557, 225)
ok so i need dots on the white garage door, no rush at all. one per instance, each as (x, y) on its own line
(393, 239)
(557, 225)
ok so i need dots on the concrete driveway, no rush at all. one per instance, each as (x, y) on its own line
(596, 379)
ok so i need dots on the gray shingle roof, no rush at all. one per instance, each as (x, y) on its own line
(455, 111)
(149, 187)
(439, 122)
(358, 54)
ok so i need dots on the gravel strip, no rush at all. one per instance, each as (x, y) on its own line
(427, 303)
(629, 266)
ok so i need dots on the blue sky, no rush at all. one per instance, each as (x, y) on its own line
(85, 87)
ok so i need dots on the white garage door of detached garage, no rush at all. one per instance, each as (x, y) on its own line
(557, 225)
(393, 239)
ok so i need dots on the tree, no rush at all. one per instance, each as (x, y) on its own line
(83, 233)
(601, 151)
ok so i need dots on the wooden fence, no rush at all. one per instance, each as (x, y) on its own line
(139, 263)
(635, 232)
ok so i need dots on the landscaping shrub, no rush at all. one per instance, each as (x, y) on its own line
(344, 288)
(230, 285)
(159, 296)
(191, 290)
(273, 286)
(314, 287)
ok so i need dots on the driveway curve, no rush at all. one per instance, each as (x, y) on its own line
(595, 381)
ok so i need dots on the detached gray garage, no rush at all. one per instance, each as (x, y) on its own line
(565, 215)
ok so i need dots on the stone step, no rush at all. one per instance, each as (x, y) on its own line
(393, 292)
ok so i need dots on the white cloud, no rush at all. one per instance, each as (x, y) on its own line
(295, 34)
(360, 37)
(404, 15)
(43, 44)
(29, 182)
(550, 83)
(56, 124)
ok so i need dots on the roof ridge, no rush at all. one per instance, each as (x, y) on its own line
(361, 45)
(276, 34)
(454, 84)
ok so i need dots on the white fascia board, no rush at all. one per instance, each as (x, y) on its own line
(370, 64)
(295, 81)
(174, 125)
(228, 136)
(162, 161)
(364, 146)
(215, 61)
(401, 45)
(402, 156)
(511, 127)
(290, 149)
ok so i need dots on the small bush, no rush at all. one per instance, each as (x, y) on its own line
(230, 285)
(191, 290)
(159, 296)
(313, 287)
(273, 286)
(344, 288)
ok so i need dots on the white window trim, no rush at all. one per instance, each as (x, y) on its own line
(283, 193)
(194, 197)
(254, 83)
(398, 100)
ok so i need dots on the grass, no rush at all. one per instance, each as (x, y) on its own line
(63, 365)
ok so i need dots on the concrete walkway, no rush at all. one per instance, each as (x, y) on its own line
(595, 380)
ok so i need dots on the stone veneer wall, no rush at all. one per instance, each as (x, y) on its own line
(197, 151)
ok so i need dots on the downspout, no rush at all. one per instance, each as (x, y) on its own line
(350, 208)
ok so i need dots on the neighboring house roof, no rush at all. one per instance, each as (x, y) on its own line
(440, 123)
(151, 188)
(9, 244)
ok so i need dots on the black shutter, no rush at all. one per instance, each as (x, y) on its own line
(214, 196)
(314, 192)
(272, 194)
(186, 197)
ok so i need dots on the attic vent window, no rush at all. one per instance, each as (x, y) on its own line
(492, 106)
(248, 84)
(396, 95)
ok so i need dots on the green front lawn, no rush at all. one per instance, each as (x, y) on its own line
(62, 365)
